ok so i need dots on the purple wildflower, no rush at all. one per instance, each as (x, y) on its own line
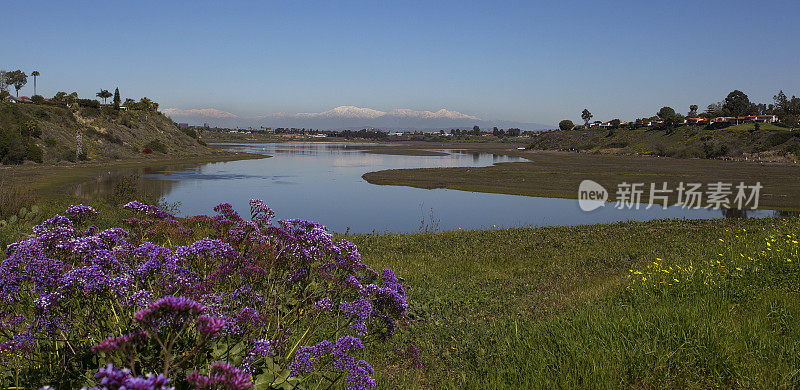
(22, 342)
(112, 378)
(221, 376)
(169, 311)
(361, 309)
(413, 352)
(124, 342)
(260, 213)
(149, 210)
(79, 212)
(324, 304)
(306, 355)
(212, 248)
(209, 327)
(227, 211)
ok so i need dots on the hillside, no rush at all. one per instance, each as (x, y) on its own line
(48, 134)
(739, 142)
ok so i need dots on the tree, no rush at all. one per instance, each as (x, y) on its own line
(586, 116)
(476, 130)
(715, 109)
(615, 123)
(566, 124)
(737, 103)
(514, 132)
(668, 115)
(18, 79)
(104, 94)
(35, 74)
(781, 102)
(791, 121)
(117, 99)
(60, 97)
(30, 129)
(71, 98)
(693, 110)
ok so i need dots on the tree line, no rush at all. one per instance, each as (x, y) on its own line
(18, 79)
(736, 104)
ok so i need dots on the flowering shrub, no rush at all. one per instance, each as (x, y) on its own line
(154, 305)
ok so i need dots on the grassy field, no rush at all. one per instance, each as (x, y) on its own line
(676, 304)
(558, 174)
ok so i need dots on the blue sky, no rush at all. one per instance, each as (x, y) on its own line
(523, 61)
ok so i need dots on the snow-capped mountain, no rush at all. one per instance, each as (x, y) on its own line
(347, 117)
(349, 112)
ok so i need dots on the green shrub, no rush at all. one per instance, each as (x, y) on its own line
(190, 132)
(33, 152)
(156, 146)
(777, 138)
(90, 103)
(50, 142)
(69, 155)
(30, 129)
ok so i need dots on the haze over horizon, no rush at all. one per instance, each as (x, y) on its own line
(507, 63)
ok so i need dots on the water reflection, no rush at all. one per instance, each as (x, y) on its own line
(323, 182)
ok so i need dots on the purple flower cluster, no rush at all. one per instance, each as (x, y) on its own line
(210, 326)
(148, 210)
(358, 373)
(169, 311)
(162, 293)
(361, 310)
(260, 213)
(206, 248)
(324, 304)
(113, 378)
(307, 355)
(79, 212)
(221, 376)
(124, 342)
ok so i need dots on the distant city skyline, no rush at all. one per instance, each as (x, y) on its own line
(507, 62)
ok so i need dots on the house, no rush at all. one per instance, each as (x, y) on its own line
(651, 123)
(735, 120)
(183, 125)
(10, 99)
(24, 99)
(697, 121)
(765, 118)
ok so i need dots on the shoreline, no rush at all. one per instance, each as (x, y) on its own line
(53, 178)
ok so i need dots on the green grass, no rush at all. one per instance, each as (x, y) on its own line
(552, 307)
(752, 126)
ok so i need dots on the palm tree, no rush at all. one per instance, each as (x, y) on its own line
(35, 74)
(104, 94)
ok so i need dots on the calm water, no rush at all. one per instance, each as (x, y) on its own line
(322, 182)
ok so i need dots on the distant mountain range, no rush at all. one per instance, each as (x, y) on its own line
(347, 117)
